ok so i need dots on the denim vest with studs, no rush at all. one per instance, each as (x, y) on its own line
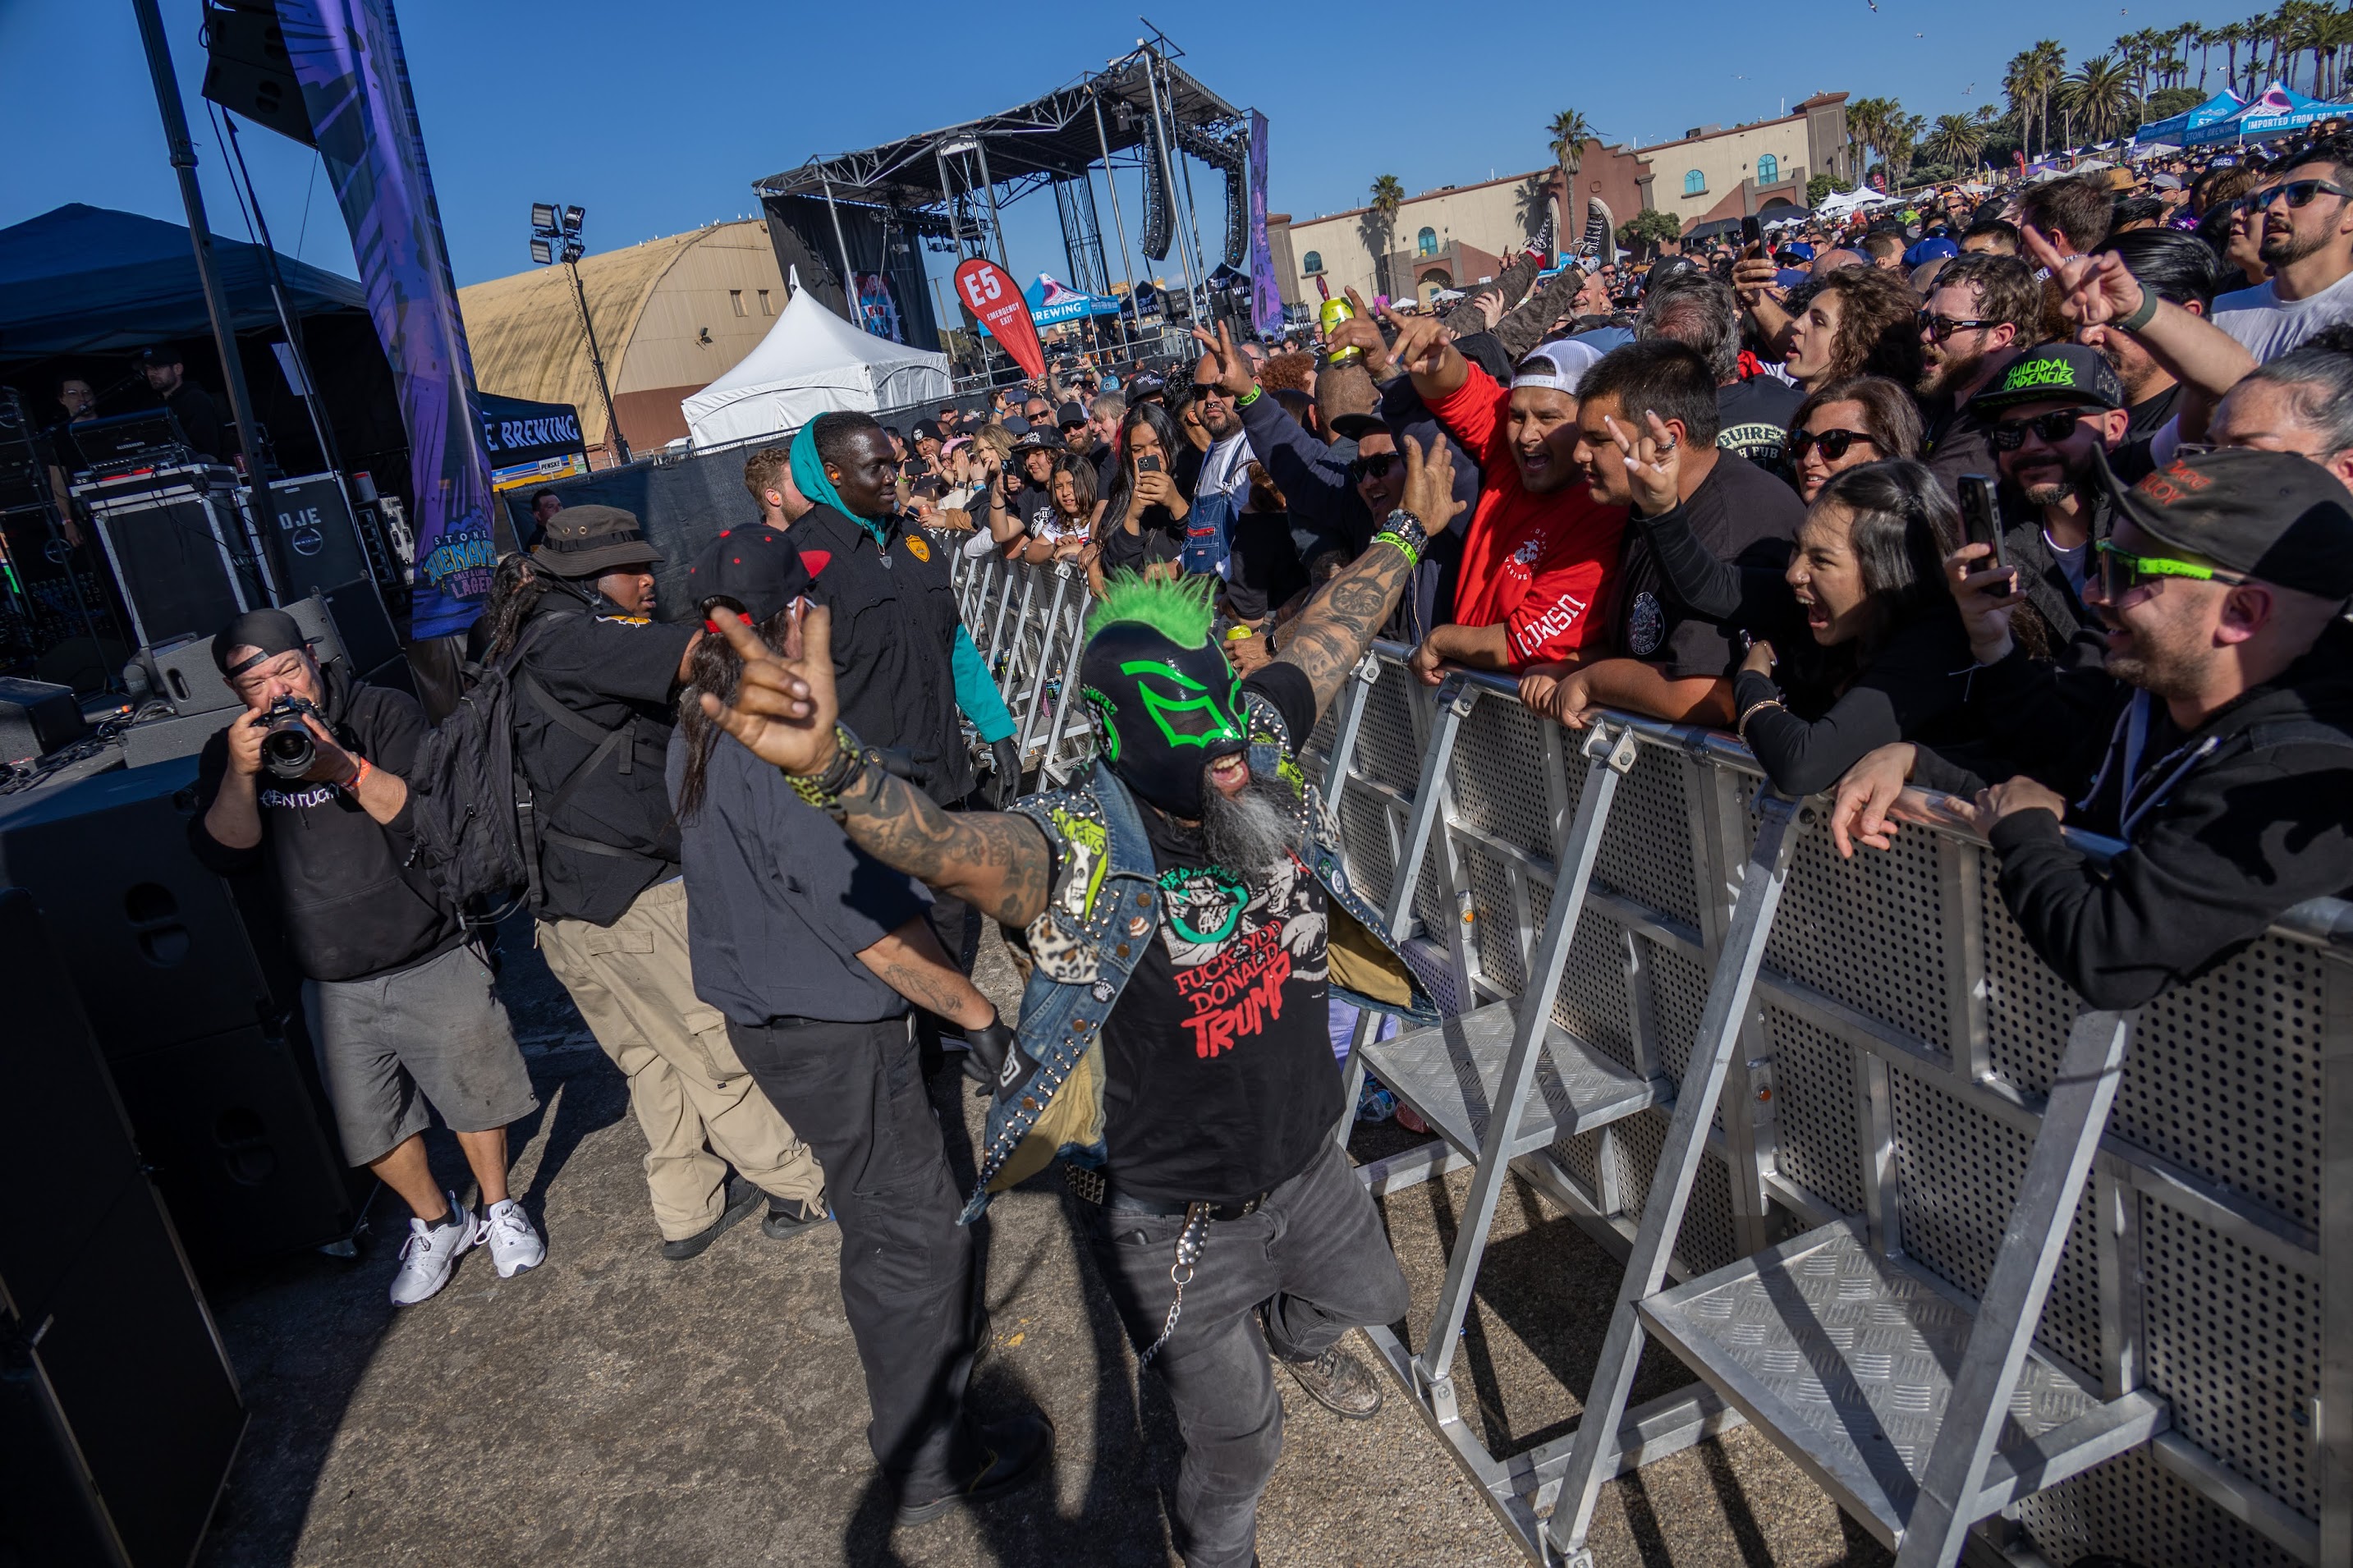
(1102, 907)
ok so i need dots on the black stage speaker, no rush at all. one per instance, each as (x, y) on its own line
(188, 990)
(320, 542)
(248, 69)
(177, 543)
(120, 1414)
(36, 718)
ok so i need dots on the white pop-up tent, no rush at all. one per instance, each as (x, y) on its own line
(812, 362)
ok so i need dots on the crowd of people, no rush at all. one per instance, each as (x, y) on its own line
(2039, 500)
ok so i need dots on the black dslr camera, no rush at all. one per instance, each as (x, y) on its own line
(287, 746)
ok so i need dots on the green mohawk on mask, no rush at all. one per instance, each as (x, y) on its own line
(1178, 608)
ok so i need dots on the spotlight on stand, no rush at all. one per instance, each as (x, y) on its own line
(556, 237)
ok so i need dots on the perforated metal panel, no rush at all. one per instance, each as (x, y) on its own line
(1386, 748)
(1960, 1171)
(2028, 1008)
(2130, 1509)
(1815, 1111)
(1870, 930)
(1366, 840)
(2233, 1340)
(1647, 852)
(1706, 1240)
(1498, 774)
(1591, 1003)
(1496, 934)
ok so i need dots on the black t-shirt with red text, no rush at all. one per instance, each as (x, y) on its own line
(1221, 1083)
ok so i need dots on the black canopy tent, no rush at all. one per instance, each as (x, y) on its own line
(82, 288)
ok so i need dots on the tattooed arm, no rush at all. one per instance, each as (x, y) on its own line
(785, 712)
(1331, 634)
(911, 962)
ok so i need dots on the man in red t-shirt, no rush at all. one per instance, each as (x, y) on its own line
(1541, 556)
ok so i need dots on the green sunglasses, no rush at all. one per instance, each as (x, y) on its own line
(2121, 570)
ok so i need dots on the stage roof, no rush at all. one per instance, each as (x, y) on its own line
(1047, 139)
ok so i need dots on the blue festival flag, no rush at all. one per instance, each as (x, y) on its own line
(347, 55)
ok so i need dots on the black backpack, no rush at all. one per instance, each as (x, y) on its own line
(472, 809)
(478, 826)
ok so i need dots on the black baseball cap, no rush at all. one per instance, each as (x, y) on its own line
(927, 430)
(1037, 438)
(2273, 515)
(2056, 373)
(1144, 384)
(754, 571)
(1356, 426)
(1070, 416)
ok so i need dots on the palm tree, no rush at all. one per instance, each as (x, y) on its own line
(2034, 75)
(1901, 143)
(2098, 93)
(1569, 130)
(1867, 120)
(1380, 225)
(1957, 139)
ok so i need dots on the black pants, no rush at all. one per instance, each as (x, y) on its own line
(854, 1093)
(1314, 1259)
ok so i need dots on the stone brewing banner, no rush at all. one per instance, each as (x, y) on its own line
(347, 55)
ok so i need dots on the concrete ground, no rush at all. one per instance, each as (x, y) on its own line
(612, 1408)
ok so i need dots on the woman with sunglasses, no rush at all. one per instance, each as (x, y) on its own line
(1856, 644)
(1846, 424)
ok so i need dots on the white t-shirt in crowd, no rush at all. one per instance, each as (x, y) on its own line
(2270, 326)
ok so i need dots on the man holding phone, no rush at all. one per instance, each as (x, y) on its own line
(2051, 414)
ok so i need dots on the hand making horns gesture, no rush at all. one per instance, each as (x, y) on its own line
(785, 705)
(1232, 369)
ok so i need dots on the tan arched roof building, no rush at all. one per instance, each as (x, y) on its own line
(672, 316)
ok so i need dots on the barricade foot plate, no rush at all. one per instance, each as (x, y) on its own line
(1845, 1358)
(1450, 1072)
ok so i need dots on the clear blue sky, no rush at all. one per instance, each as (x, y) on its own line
(657, 119)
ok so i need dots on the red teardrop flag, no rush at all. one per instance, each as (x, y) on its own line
(990, 294)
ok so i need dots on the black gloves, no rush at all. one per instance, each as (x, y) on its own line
(989, 1046)
(1004, 775)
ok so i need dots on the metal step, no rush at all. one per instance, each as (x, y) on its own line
(1449, 1073)
(1845, 1358)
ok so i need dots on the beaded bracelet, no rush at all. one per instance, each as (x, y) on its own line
(851, 760)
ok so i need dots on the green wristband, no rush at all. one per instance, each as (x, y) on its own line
(1247, 398)
(1412, 556)
(851, 760)
(2142, 317)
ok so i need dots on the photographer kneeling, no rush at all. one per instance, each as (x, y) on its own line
(402, 1011)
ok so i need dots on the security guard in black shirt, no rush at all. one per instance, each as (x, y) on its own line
(593, 681)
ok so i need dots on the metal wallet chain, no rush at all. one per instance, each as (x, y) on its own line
(1189, 1242)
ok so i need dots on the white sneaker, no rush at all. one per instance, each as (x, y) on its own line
(430, 1253)
(515, 1245)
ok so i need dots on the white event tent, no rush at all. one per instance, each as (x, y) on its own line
(812, 362)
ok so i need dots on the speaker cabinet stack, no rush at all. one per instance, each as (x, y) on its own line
(192, 1005)
(120, 1414)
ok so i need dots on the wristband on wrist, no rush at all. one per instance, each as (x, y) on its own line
(1404, 530)
(1404, 545)
(1247, 398)
(359, 776)
(2142, 317)
(852, 759)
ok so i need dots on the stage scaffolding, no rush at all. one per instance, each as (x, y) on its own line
(845, 220)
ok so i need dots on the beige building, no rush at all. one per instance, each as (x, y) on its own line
(1456, 235)
(672, 316)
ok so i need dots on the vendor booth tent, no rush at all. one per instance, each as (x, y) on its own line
(812, 362)
(2222, 106)
(2275, 112)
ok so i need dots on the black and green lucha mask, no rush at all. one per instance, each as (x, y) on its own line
(1166, 711)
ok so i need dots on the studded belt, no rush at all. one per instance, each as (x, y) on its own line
(1091, 1186)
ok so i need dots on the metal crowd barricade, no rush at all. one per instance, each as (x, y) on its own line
(1880, 1180)
(1879, 1142)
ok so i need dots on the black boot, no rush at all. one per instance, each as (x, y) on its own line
(741, 1199)
(1340, 1383)
(1014, 1452)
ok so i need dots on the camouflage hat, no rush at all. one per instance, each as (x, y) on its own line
(2056, 373)
(590, 540)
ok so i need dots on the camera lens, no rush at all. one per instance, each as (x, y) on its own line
(287, 750)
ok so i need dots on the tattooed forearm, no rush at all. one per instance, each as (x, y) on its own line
(1331, 634)
(997, 862)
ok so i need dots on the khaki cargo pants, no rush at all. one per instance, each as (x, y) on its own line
(700, 1109)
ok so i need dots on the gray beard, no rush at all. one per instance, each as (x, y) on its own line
(1251, 831)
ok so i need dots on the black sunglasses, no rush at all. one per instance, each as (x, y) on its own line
(1942, 327)
(2053, 428)
(1833, 443)
(1375, 466)
(2299, 193)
